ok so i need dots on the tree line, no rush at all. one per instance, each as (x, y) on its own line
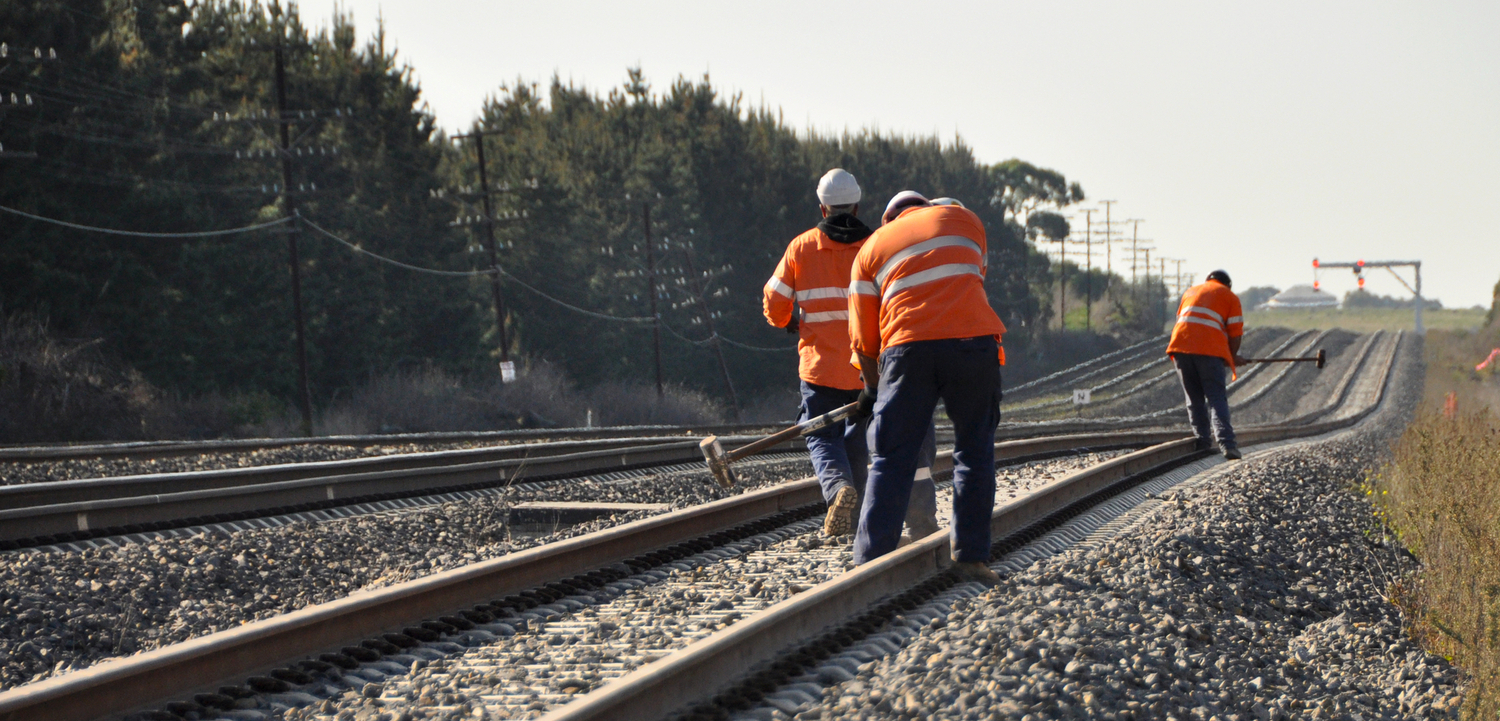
(160, 117)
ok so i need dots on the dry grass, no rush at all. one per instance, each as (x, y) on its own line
(1442, 497)
(55, 390)
(1365, 320)
(58, 390)
(1450, 357)
(540, 397)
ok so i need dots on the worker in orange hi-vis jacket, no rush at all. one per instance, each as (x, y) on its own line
(1205, 347)
(814, 276)
(917, 301)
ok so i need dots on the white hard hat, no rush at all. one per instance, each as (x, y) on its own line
(947, 201)
(902, 200)
(838, 187)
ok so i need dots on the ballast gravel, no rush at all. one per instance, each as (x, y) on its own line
(1257, 594)
(67, 610)
(584, 640)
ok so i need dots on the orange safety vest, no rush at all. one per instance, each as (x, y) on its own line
(1208, 316)
(921, 277)
(815, 272)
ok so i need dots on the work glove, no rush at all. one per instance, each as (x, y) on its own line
(865, 407)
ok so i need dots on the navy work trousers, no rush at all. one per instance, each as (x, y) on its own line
(921, 510)
(965, 374)
(839, 455)
(1203, 383)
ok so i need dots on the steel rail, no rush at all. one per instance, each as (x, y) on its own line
(115, 515)
(127, 684)
(24, 495)
(1091, 362)
(167, 449)
(35, 514)
(698, 672)
(1042, 405)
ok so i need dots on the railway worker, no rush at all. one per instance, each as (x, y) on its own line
(1205, 347)
(917, 303)
(814, 276)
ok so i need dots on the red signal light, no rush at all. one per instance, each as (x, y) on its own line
(1361, 282)
(1317, 285)
(1315, 262)
(1360, 264)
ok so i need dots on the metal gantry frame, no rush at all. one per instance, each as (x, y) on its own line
(1359, 266)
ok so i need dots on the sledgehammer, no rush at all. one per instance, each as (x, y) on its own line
(1321, 359)
(719, 460)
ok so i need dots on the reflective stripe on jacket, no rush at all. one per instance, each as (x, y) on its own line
(814, 272)
(921, 277)
(1208, 316)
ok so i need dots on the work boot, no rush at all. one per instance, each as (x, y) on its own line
(1232, 453)
(839, 520)
(1203, 444)
(976, 571)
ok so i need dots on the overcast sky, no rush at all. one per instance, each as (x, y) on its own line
(1249, 136)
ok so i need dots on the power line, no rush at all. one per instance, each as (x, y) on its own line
(142, 234)
(761, 349)
(494, 270)
(393, 261)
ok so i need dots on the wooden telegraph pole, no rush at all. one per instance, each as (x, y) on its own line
(507, 369)
(289, 208)
(651, 288)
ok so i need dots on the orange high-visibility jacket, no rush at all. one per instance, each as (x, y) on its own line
(921, 277)
(815, 272)
(1208, 316)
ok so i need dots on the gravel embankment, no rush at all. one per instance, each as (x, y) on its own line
(1255, 595)
(61, 611)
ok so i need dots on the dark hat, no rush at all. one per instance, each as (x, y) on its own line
(1222, 277)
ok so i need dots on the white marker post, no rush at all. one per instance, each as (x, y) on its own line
(1081, 398)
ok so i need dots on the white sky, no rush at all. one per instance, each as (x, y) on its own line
(1250, 136)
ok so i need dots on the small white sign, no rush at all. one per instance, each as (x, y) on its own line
(507, 371)
(1082, 397)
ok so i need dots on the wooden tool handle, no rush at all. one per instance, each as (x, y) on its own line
(810, 425)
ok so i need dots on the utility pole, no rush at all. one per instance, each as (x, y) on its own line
(507, 369)
(1109, 239)
(1088, 273)
(1163, 276)
(1062, 281)
(713, 334)
(651, 288)
(1135, 240)
(289, 208)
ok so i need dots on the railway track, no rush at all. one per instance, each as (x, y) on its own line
(799, 645)
(1124, 379)
(56, 513)
(372, 636)
(164, 449)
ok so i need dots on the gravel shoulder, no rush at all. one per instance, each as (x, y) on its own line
(1254, 594)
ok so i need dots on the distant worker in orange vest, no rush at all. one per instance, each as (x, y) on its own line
(1205, 347)
(917, 302)
(814, 276)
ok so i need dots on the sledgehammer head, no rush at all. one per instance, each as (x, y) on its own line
(1322, 358)
(718, 462)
